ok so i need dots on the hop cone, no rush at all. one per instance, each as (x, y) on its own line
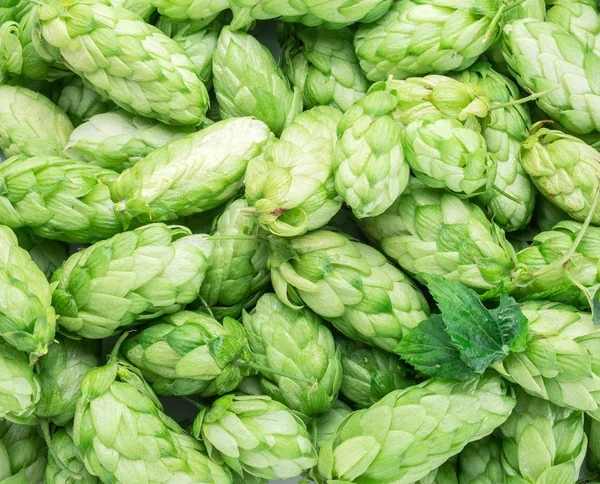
(19, 387)
(10, 9)
(68, 453)
(409, 432)
(79, 101)
(291, 183)
(190, 353)
(248, 82)
(48, 255)
(185, 10)
(510, 201)
(135, 275)
(456, 34)
(143, 8)
(60, 374)
(238, 268)
(31, 124)
(333, 14)
(323, 426)
(349, 284)
(22, 454)
(119, 139)
(547, 215)
(480, 462)
(123, 435)
(432, 231)
(125, 59)
(257, 435)
(445, 474)
(369, 374)
(542, 442)
(579, 18)
(370, 171)
(565, 170)
(57, 198)
(560, 362)
(543, 56)
(190, 175)
(593, 454)
(323, 65)
(444, 154)
(300, 349)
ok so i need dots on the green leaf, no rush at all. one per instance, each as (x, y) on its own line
(431, 351)
(481, 335)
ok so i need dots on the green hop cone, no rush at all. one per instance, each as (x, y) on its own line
(542, 442)
(547, 215)
(79, 101)
(31, 124)
(238, 266)
(480, 462)
(27, 319)
(432, 231)
(323, 65)
(132, 276)
(70, 457)
(190, 175)
(593, 453)
(445, 474)
(125, 59)
(369, 374)
(291, 183)
(48, 255)
(323, 426)
(534, 50)
(257, 435)
(409, 432)
(19, 386)
(579, 18)
(444, 154)
(143, 8)
(349, 284)
(190, 353)
(60, 373)
(457, 33)
(561, 360)
(22, 454)
(565, 169)
(510, 201)
(57, 198)
(369, 166)
(10, 9)
(301, 351)
(118, 140)
(248, 82)
(142, 444)
(185, 10)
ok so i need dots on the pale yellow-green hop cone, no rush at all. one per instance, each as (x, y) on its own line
(47, 254)
(291, 184)
(333, 14)
(323, 65)
(248, 82)
(190, 175)
(579, 18)
(543, 56)
(511, 199)
(542, 442)
(349, 284)
(70, 457)
(257, 435)
(323, 426)
(190, 353)
(433, 231)
(369, 166)
(58, 198)
(238, 264)
(60, 373)
(27, 321)
(143, 8)
(123, 435)
(444, 154)
(19, 386)
(79, 101)
(300, 349)
(457, 33)
(22, 454)
(481, 462)
(137, 67)
(31, 124)
(186, 10)
(409, 432)
(565, 169)
(118, 140)
(129, 278)
(369, 374)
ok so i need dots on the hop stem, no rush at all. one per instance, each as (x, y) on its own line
(523, 100)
